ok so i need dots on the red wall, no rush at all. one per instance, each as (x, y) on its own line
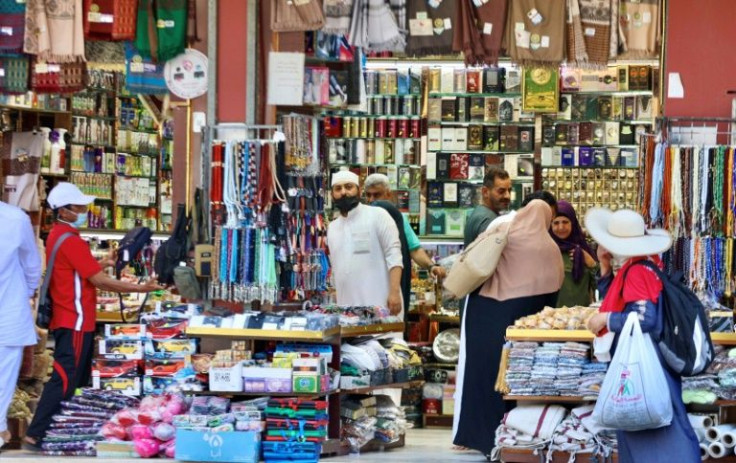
(232, 37)
(701, 46)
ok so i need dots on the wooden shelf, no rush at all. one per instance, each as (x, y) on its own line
(610, 92)
(724, 339)
(354, 331)
(35, 110)
(479, 95)
(439, 365)
(549, 398)
(454, 319)
(548, 335)
(266, 335)
(267, 394)
(365, 390)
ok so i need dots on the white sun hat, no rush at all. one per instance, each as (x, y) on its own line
(624, 233)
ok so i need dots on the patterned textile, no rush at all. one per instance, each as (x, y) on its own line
(595, 16)
(640, 25)
(15, 79)
(479, 31)
(534, 41)
(438, 40)
(374, 27)
(614, 29)
(576, 52)
(142, 75)
(337, 16)
(12, 26)
(54, 30)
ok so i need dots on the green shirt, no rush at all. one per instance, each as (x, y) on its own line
(477, 223)
(412, 241)
(572, 293)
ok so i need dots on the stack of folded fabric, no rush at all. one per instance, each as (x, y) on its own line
(75, 430)
(544, 371)
(593, 374)
(572, 437)
(604, 437)
(528, 426)
(295, 430)
(573, 356)
(519, 370)
(391, 420)
(701, 389)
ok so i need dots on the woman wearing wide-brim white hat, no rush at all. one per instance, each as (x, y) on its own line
(636, 288)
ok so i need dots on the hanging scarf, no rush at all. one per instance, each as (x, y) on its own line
(12, 25)
(374, 27)
(534, 41)
(337, 16)
(576, 52)
(54, 30)
(613, 29)
(439, 40)
(142, 75)
(641, 284)
(576, 242)
(595, 16)
(480, 30)
(398, 8)
(639, 21)
(171, 24)
(16, 75)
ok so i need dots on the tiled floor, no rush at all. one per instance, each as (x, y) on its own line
(422, 446)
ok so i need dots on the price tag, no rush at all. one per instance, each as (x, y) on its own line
(589, 32)
(93, 16)
(487, 28)
(54, 68)
(41, 68)
(2, 72)
(107, 18)
(137, 68)
(7, 31)
(448, 24)
(545, 41)
(422, 15)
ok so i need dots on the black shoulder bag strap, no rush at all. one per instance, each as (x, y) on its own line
(43, 292)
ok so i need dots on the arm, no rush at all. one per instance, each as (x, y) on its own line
(29, 258)
(423, 260)
(648, 316)
(394, 294)
(102, 281)
(388, 237)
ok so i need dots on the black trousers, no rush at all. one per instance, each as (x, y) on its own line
(72, 368)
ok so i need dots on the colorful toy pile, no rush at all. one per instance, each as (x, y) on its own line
(295, 430)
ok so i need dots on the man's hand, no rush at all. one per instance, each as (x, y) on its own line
(109, 260)
(151, 285)
(439, 271)
(394, 302)
(597, 322)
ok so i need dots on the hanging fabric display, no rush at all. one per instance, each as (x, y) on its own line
(161, 28)
(374, 27)
(640, 27)
(595, 18)
(431, 27)
(535, 32)
(142, 75)
(21, 162)
(480, 29)
(57, 37)
(337, 16)
(58, 77)
(15, 79)
(267, 199)
(12, 25)
(110, 19)
(290, 16)
(576, 51)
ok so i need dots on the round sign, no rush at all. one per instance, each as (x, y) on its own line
(186, 74)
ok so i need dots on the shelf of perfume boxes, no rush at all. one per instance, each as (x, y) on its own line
(94, 116)
(585, 145)
(514, 334)
(459, 60)
(116, 174)
(517, 179)
(550, 166)
(556, 121)
(609, 93)
(478, 95)
(98, 145)
(374, 138)
(371, 164)
(484, 123)
(481, 151)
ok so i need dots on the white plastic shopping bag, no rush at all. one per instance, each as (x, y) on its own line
(634, 395)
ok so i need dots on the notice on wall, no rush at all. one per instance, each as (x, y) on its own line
(285, 78)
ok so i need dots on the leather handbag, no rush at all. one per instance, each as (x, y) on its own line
(477, 262)
(297, 15)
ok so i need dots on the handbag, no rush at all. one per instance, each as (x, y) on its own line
(297, 15)
(186, 283)
(43, 316)
(634, 395)
(477, 262)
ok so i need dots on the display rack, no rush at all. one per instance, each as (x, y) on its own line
(513, 334)
(333, 336)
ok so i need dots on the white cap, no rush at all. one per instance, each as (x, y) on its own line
(344, 176)
(66, 193)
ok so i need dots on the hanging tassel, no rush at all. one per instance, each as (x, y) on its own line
(501, 386)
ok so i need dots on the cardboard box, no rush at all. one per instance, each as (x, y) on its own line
(179, 348)
(125, 331)
(160, 385)
(448, 406)
(227, 379)
(257, 379)
(130, 350)
(122, 450)
(239, 447)
(127, 386)
(165, 367)
(110, 368)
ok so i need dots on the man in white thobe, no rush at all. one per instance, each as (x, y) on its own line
(20, 273)
(365, 251)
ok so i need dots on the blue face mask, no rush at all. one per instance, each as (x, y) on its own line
(80, 221)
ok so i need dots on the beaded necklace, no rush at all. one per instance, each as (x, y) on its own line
(676, 220)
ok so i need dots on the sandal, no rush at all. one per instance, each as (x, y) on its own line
(31, 446)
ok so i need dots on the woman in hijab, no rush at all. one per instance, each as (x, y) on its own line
(579, 259)
(527, 278)
(636, 288)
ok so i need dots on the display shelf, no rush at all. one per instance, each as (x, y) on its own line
(439, 365)
(93, 116)
(266, 335)
(440, 318)
(115, 317)
(374, 138)
(549, 166)
(268, 394)
(467, 124)
(113, 234)
(366, 390)
(623, 121)
(437, 421)
(35, 110)
(54, 175)
(481, 152)
(724, 339)
(513, 334)
(610, 93)
(485, 95)
(549, 398)
(354, 331)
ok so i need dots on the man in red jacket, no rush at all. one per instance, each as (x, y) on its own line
(75, 278)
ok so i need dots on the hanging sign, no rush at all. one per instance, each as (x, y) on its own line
(186, 74)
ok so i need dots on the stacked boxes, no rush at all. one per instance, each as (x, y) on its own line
(295, 430)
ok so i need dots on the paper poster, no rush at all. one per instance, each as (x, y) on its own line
(285, 78)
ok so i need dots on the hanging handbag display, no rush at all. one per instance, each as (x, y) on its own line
(43, 317)
(296, 15)
(477, 262)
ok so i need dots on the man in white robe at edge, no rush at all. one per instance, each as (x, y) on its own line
(365, 251)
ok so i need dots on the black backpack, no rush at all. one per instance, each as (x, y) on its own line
(130, 246)
(174, 250)
(685, 343)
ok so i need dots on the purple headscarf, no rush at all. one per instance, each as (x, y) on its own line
(575, 242)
